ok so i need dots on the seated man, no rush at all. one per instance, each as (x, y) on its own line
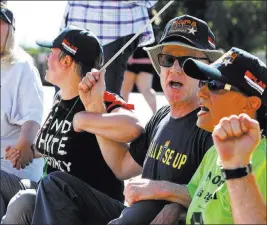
(73, 53)
(229, 186)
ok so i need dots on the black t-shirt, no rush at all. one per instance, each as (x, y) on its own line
(171, 149)
(76, 153)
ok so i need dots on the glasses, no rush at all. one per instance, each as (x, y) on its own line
(215, 85)
(168, 60)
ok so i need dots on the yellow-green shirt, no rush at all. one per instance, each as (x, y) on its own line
(210, 198)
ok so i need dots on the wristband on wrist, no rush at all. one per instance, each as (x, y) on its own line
(236, 173)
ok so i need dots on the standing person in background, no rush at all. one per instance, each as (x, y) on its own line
(21, 105)
(140, 72)
(114, 23)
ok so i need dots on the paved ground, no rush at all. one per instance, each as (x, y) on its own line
(142, 109)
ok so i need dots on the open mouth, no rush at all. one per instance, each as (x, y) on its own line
(204, 109)
(176, 84)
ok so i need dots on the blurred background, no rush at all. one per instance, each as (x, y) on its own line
(235, 23)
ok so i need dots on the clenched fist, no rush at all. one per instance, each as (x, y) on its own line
(91, 90)
(235, 138)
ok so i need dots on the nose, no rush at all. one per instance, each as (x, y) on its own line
(203, 92)
(176, 68)
(47, 56)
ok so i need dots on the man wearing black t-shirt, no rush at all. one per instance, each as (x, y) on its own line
(167, 152)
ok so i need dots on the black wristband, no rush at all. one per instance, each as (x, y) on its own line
(236, 173)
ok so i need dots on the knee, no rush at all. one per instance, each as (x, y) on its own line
(20, 208)
(57, 175)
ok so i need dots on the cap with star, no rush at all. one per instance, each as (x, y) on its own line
(189, 32)
(236, 67)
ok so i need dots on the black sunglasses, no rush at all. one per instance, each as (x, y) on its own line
(215, 85)
(168, 60)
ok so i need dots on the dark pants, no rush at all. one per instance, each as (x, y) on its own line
(115, 71)
(65, 199)
(16, 199)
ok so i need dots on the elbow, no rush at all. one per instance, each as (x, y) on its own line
(133, 132)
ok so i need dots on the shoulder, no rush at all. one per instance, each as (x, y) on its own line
(160, 114)
(163, 111)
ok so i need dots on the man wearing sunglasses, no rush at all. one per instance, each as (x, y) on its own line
(166, 153)
(229, 186)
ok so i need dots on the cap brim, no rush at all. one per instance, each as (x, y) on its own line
(153, 52)
(5, 18)
(45, 44)
(201, 71)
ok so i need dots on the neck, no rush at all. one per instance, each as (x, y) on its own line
(69, 87)
(179, 110)
(70, 91)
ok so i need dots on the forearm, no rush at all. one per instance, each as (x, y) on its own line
(114, 154)
(28, 133)
(173, 192)
(247, 203)
(120, 127)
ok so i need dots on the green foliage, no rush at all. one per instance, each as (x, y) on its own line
(35, 51)
(235, 23)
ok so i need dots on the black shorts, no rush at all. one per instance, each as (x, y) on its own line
(138, 68)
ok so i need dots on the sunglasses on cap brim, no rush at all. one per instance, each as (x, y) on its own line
(215, 85)
(166, 60)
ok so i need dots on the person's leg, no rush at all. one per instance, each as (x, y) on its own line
(65, 199)
(142, 212)
(115, 71)
(2, 206)
(20, 208)
(144, 84)
(10, 184)
(127, 84)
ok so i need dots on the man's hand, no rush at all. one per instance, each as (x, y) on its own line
(235, 138)
(172, 213)
(143, 189)
(91, 91)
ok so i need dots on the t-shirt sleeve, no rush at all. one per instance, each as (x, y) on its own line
(195, 180)
(28, 102)
(259, 168)
(139, 147)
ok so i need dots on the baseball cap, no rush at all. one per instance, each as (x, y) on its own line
(236, 67)
(186, 31)
(7, 15)
(81, 44)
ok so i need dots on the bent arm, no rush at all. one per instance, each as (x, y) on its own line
(173, 192)
(118, 158)
(247, 203)
(120, 125)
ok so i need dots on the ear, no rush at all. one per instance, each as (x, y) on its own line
(253, 104)
(67, 61)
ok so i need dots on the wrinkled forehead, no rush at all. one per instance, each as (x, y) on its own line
(177, 50)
